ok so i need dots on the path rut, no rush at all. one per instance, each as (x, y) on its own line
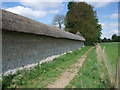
(69, 74)
(102, 58)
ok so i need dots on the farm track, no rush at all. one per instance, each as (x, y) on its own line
(102, 58)
(69, 74)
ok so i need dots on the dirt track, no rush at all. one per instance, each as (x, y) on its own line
(69, 74)
(102, 58)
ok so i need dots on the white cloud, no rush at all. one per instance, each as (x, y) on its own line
(109, 29)
(111, 25)
(53, 11)
(37, 8)
(25, 11)
(114, 32)
(114, 24)
(113, 16)
(37, 4)
(99, 4)
(109, 34)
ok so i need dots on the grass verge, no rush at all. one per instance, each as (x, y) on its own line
(89, 75)
(111, 51)
(43, 74)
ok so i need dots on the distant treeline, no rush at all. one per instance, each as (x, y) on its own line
(114, 38)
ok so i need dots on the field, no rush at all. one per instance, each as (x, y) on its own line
(97, 71)
(111, 50)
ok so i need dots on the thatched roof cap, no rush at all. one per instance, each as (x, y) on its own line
(78, 33)
(15, 22)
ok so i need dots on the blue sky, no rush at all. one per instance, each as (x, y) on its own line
(107, 12)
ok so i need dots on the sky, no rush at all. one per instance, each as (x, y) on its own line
(44, 11)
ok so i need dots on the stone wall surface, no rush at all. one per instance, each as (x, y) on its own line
(20, 49)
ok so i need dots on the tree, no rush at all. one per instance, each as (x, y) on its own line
(114, 37)
(118, 38)
(106, 40)
(109, 40)
(58, 20)
(81, 17)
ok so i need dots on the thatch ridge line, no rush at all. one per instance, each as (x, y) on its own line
(15, 22)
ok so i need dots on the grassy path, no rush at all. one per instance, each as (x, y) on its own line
(102, 60)
(111, 54)
(93, 73)
(70, 73)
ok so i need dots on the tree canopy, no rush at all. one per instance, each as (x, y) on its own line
(115, 38)
(81, 17)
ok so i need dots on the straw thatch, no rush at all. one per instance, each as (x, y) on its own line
(14, 22)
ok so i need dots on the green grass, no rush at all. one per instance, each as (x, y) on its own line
(91, 75)
(43, 74)
(111, 51)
